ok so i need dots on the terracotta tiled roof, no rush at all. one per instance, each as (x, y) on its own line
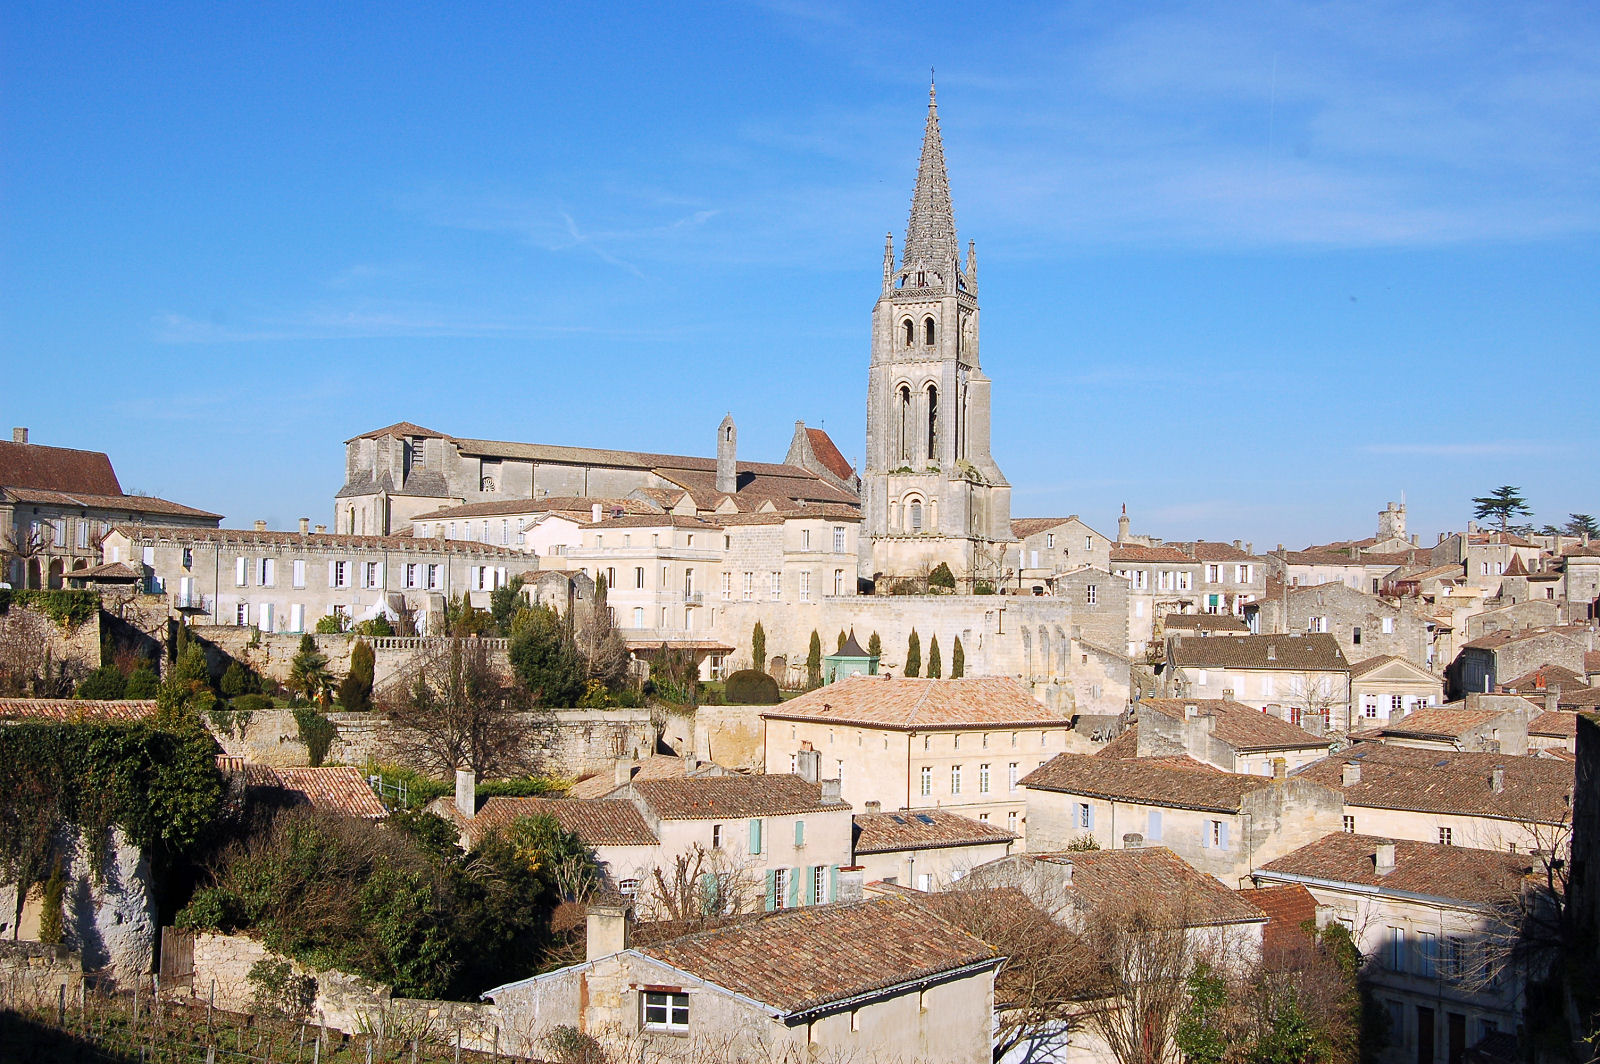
(1448, 781)
(921, 704)
(337, 788)
(597, 821)
(1361, 668)
(1241, 727)
(1204, 551)
(1288, 908)
(817, 511)
(1563, 725)
(1494, 640)
(1460, 873)
(1125, 745)
(1321, 557)
(1023, 527)
(1112, 877)
(116, 572)
(801, 959)
(827, 453)
(1545, 676)
(1294, 653)
(1143, 780)
(575, 504)
(656, 520)
(1204, 622)
(658, 766)
(782, 485)
(130, 504)
(77, 710)
(1133, 552)
(313, 541)
(1439, 722)
(399, 428)
(33, 465)
(923, 829)
(1591, 661)
(702, 797)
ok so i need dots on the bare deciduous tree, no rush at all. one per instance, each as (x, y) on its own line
(702, 889)
(453, 707)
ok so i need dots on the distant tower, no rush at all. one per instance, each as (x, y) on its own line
(1392, 521)
(931, 491)
(727, 456)
(1122, 525)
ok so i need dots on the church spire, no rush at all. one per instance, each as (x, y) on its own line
(931, 232)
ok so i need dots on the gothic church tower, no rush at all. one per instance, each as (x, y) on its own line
(931, 491)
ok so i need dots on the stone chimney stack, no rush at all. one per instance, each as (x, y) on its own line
(831, 790)
(1351, 774)
(852, 883)
(624, 772)
(466, 792)
(305, 525)
(1497, 779)
(321, 529)
(19, 435)
(1280, 768)
(808, 763)
(874, 807)
(727, 456)
(596, 513)
(261, 526)
(609, 930)
(1384, 858)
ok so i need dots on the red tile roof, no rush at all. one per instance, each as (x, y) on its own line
(1535, 789)
(1204, 622)
(1114, 877)
(827, 453)
(1133, 552)
(1439, 722)
(655, 767)
(1288, 908)
(923, 829)
(129, 504)
(920, 704)
(78, 710)
(1458, 873)
(336, 788)
(1220, 552)
(802, 959)
(1023, 527)
(597, 821)
(1564, 725)
(313, 540)
(1144, 780)
(705, 797)
(399, 428)
(33, 465)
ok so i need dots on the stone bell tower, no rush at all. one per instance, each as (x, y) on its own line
(931, 491)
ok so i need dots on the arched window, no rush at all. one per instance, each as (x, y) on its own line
(933, 423)
(910, 331)
(1044, 648)
(916, 516)
(927, 331)
(904, 448)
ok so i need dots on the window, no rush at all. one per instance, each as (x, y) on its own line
(628, 887)
(297, 572)
(666, 1011)
(1011, 777)
(955, 779)
(838, 539)
(927, 331)
(916, 516)
(1085, 816)
(805, 586)
(727, 586)
(340, 574)
(611, 577)
(1355, 635)
(748, 592)
(805, 539)
(755, 837)
(241, 572)
(799, 833)
(1395, 955)
(1011, 821)
(1213, 574)
(1200, 677)
(1049, 539)
(1090, 594)
(1215, 835)
(1388, 626)
(927, 781)
(1088, 543)
(1242, 573)
(780, 888)
(241, 615)
(188, 558)
(1427, 959)
(838, 581)
(1369, 705)
(435, 578)
(1445, 837)
(819, 884)
(266, 572)
(638, 616)
(1349, 825)
(1317, 625)
(638, 576)
(908, 329)
(983, 779)
(1152, 825)
(1397, 705)
(777, 586)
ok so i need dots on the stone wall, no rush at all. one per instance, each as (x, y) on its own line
(33, 973)
(272, 655)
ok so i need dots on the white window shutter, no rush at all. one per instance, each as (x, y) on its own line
(1223, 838)
(378, 575)
(1205, 834)
(241, 571)
(500, 577)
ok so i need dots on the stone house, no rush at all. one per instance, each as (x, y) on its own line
(1386, 686)
(1306, 676)
(1161, 580)
(1226, 735)
(1230, 575)
(1488, 801)
(1514, 617)
(1222, 823)
(287, 581)
(545, 526)
(1485, 556)
(1486, 660)
(1580, 583)
(917, 743)
(1202, 625)
(57, 504)
(1429, 916)
(1362, 624)
(879, 979)
(928, 849)
(1473, 725)
(1049, 546)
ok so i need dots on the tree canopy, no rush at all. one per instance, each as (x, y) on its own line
(1501, 505)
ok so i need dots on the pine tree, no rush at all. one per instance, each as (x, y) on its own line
(935, 666)
(1501, 504)
(914, 655)
(875, 646)
(758, 647)
(958, 661)
(814, 661)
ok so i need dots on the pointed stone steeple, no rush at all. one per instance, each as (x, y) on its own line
(931, 232)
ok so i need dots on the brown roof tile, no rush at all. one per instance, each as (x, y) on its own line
(1023, 527)
(1204, 622)
(827, 453)
(703, 797)
(1448, 781)
(575, 504)
(1289, 652)
(78, 710)
(399, 428)
(597, 821)
(315, 541)
(923, 829)
(1288, 908)
(1439, 722)
(1133, 552)
(1144, 780)
(1205, 551)
(33, 465)
(802, 959)
(920, 704)
(1460, 873)
(1241, 727)
(1112, 877)
(1125, 745)
(337, 788)
(655, 767)
(130, 504)
(1564, 725)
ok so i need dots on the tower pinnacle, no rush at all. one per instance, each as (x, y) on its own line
(931, 231)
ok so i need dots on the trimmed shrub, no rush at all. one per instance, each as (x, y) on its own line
(942, 577)
(251, 702)
(142, 683)
(104, 682)
(751, 687)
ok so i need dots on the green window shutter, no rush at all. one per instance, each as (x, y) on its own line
(833, 882)
(708, 893)
(755, 836)
(799, 832)
(772, 897)
(794, 886)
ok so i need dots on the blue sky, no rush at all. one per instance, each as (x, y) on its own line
(1252, 269)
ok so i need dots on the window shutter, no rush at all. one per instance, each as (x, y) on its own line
(333, 574)
(241, 571)
(1153, 828)
(708, 893)
(794, 887)
(1205, 834)
(1091, 817)
(799, 832)
(1224, 837)
(755, 839)
(379, 571)
(772, 896)
(833, 882)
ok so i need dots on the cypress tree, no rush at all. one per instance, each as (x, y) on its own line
(758, 647)
(958, 661)
(875, 646)
(935, 667)
(814, 661)
(841, 641)
(914, 655)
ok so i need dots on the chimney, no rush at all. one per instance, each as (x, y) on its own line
(1250, 548)
(320, 529)
(808, 763)
(1280, 768)
(1132, 841)
(1441, 537)
(1383, 860)
(19, 435)
(1227, 694)
(1313, 722)
(874, 807)
(852, 883)
(1238, 544)
(1351, 774)
(1472, 526)
(609, 930)
(1552, 699)
(595, 513)
(1272, 652)
(727, 456)
(466, 792)
(305, 525)
(261, 526)
(830, 792)
(1191, 711)
(1497, 779)
(624, 772)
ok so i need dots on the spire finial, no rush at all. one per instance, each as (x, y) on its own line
(931, 231)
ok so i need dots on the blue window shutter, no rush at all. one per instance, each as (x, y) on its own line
(1205, 834)
(794, 887)
(799, 832)
(833, 882)
(1224, 841)
(772, 896)
(1091, 816)
(755, 836)
(1154, 828)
